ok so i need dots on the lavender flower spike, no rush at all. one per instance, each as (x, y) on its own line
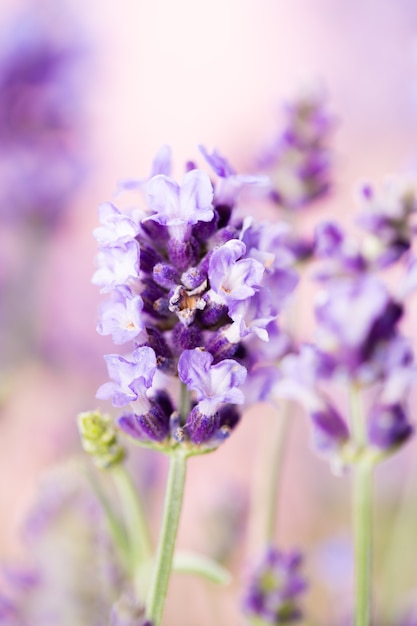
(179, 207)
(130, 379)
(274, 589)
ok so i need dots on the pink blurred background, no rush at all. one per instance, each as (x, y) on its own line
(185, 73)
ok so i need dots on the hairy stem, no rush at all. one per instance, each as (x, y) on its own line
(362, 515)
(165, 551)
(136, 526)
(267, 480)
(362, 530)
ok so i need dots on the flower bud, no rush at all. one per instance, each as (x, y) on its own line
(99, 438)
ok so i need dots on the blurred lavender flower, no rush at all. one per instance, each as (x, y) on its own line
(358, 337)
(387, 217)
(298, 161)
(40, 117)
(274, 588)
(43, 72)
(73, 576)
(357, 321)
(190, 286)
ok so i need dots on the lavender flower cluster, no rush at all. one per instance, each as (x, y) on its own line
(190, 286)
(298, 160)
(195, 288)
(40, 116)
(358, 342)
(274, 586)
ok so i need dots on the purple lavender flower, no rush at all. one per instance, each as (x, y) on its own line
(190, 286)
(179, 207)
(342, 254)
(300, 376)
(116, 227)
(130, 379)
(229, 183)
(387, 218)
(388, 427)
(231, 277)
(160, 165)
(121, 317)
(215, 385)
(152, 424)
(357, 319)
(117, 266)
(298, 161)
(274, 588)
(71, 574)
(357, 340)
(40, 120)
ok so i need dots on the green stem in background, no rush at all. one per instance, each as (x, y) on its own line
(137, 529)
(362, 531)
(268, 473)
(116, 528)
(395, 556)
(165, 551)
(273, 477)
(362, 514)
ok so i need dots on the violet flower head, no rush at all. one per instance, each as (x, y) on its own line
(357, 319)
(388, 218)
(189, 287)
(300, 381)
(298, 162)
(41, 117)
(274, 588)
(340, 254)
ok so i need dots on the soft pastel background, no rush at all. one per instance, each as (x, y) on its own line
(216, 73)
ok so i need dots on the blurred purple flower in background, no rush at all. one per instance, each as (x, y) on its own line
(44, 63)
(71, 574)
(40, 116)
(299, 160)
(274, 588)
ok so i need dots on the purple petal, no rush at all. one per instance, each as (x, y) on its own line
(196, 196)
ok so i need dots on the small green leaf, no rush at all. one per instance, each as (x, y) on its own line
(193, 563)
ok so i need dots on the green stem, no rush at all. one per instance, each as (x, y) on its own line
(273, 478)
(362, 529)
(267, 477)
(136, 525)
(165, 552)
(362, 515)
(116, 528)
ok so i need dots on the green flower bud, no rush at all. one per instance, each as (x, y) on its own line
(99, 439)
